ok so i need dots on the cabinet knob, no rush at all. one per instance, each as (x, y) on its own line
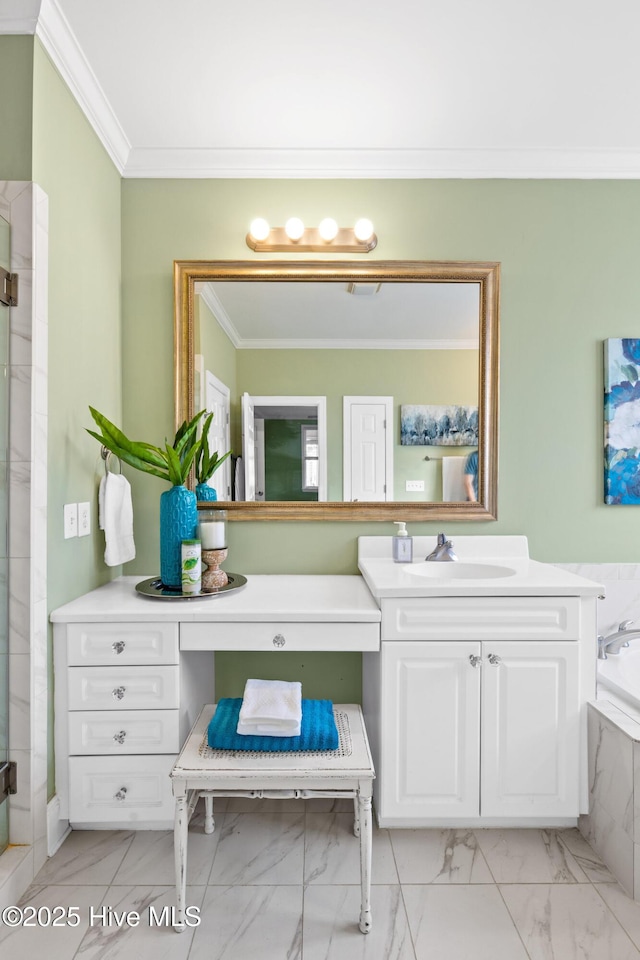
(278, 640)
(494, 659)
(121, 794)
(120, 737)
(474, 660)
(118, 646)
(118, 693)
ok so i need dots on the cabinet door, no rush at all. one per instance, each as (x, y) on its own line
(530, 729)
(431, 732)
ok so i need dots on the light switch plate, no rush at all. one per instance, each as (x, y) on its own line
(70, 520)
(414, 486)
(84, 519)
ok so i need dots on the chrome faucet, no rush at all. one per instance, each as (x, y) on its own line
(443, 551)
(614, 642)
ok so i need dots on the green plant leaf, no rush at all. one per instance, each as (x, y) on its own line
(171, 464)
(142, 451)
(128, 457)
(174, 465)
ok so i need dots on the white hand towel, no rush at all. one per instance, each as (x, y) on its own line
(116, 519)
(271, 708)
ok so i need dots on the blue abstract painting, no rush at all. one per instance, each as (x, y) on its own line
(443, 426)
(621, 421)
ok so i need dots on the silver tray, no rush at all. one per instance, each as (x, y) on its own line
(153, 587)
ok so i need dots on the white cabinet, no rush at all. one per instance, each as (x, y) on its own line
(473, 708)
(132, 676)
(124, 703)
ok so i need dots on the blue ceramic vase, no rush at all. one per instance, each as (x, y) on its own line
(178, 522)
(205, 492)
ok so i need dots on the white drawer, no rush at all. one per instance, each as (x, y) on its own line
(120, 789)
(122, 643)
(128, 688)
(280, 636)
(481, 618)
(124, 731)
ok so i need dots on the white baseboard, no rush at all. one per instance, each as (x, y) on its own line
(57, 830)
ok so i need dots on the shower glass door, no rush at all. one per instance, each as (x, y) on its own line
(5, 237)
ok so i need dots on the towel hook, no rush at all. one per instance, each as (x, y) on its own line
(106, 456)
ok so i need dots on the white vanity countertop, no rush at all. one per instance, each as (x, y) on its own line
(529, 579)
(266, 597)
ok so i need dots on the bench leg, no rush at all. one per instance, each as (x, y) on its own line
(356, 817)
(209, 822)
(364, 817)
(180, 836)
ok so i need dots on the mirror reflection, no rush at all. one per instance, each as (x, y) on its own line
(350, 391)
(347, 390)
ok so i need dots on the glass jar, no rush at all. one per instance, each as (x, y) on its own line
(212, 529)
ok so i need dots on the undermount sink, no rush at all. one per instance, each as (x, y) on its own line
(458, 570)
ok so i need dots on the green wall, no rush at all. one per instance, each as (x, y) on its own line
(83, 187)
(568, 251)
(283, 460)
(16, 107)
(569, 280)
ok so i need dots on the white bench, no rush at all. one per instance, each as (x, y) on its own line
(348, 771)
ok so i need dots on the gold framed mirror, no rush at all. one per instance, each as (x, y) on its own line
(471, 288)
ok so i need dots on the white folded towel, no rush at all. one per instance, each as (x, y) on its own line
(116, 519)
(271, 708)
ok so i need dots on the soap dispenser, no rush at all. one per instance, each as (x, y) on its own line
(402, 544)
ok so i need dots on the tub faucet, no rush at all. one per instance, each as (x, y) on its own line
(443, 551)
(614, 642)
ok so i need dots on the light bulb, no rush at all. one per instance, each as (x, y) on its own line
(259, 229)
(363, 230)
(328, 229)
(294, 228)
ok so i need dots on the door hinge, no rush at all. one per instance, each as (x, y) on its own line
(8, 288)
(8, 779)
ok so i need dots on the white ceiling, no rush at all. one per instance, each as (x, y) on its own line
(399, 316)
(355, 88)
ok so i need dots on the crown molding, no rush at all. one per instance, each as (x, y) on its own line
(463, 163)
(59, 41)
(46, 20)
(364, 344)
(213, 302)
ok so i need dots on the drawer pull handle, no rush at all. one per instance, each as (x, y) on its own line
(278, 640)
(121, 794)
(119, 737)
(474, 660)
(495, 660)
(118, 693)
(118, 646)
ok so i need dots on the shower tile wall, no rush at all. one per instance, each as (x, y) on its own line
(25, 206)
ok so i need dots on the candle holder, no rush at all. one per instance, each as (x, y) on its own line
(212, 529)
(212, 533)
(213, 578)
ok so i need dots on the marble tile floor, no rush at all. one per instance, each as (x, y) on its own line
(279, 880)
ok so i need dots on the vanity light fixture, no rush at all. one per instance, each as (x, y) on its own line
(327, 238)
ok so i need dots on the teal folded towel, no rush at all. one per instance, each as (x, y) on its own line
(318, 729)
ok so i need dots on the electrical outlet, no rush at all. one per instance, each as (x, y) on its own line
(414, 486)
(70, 520)
(84, 519)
